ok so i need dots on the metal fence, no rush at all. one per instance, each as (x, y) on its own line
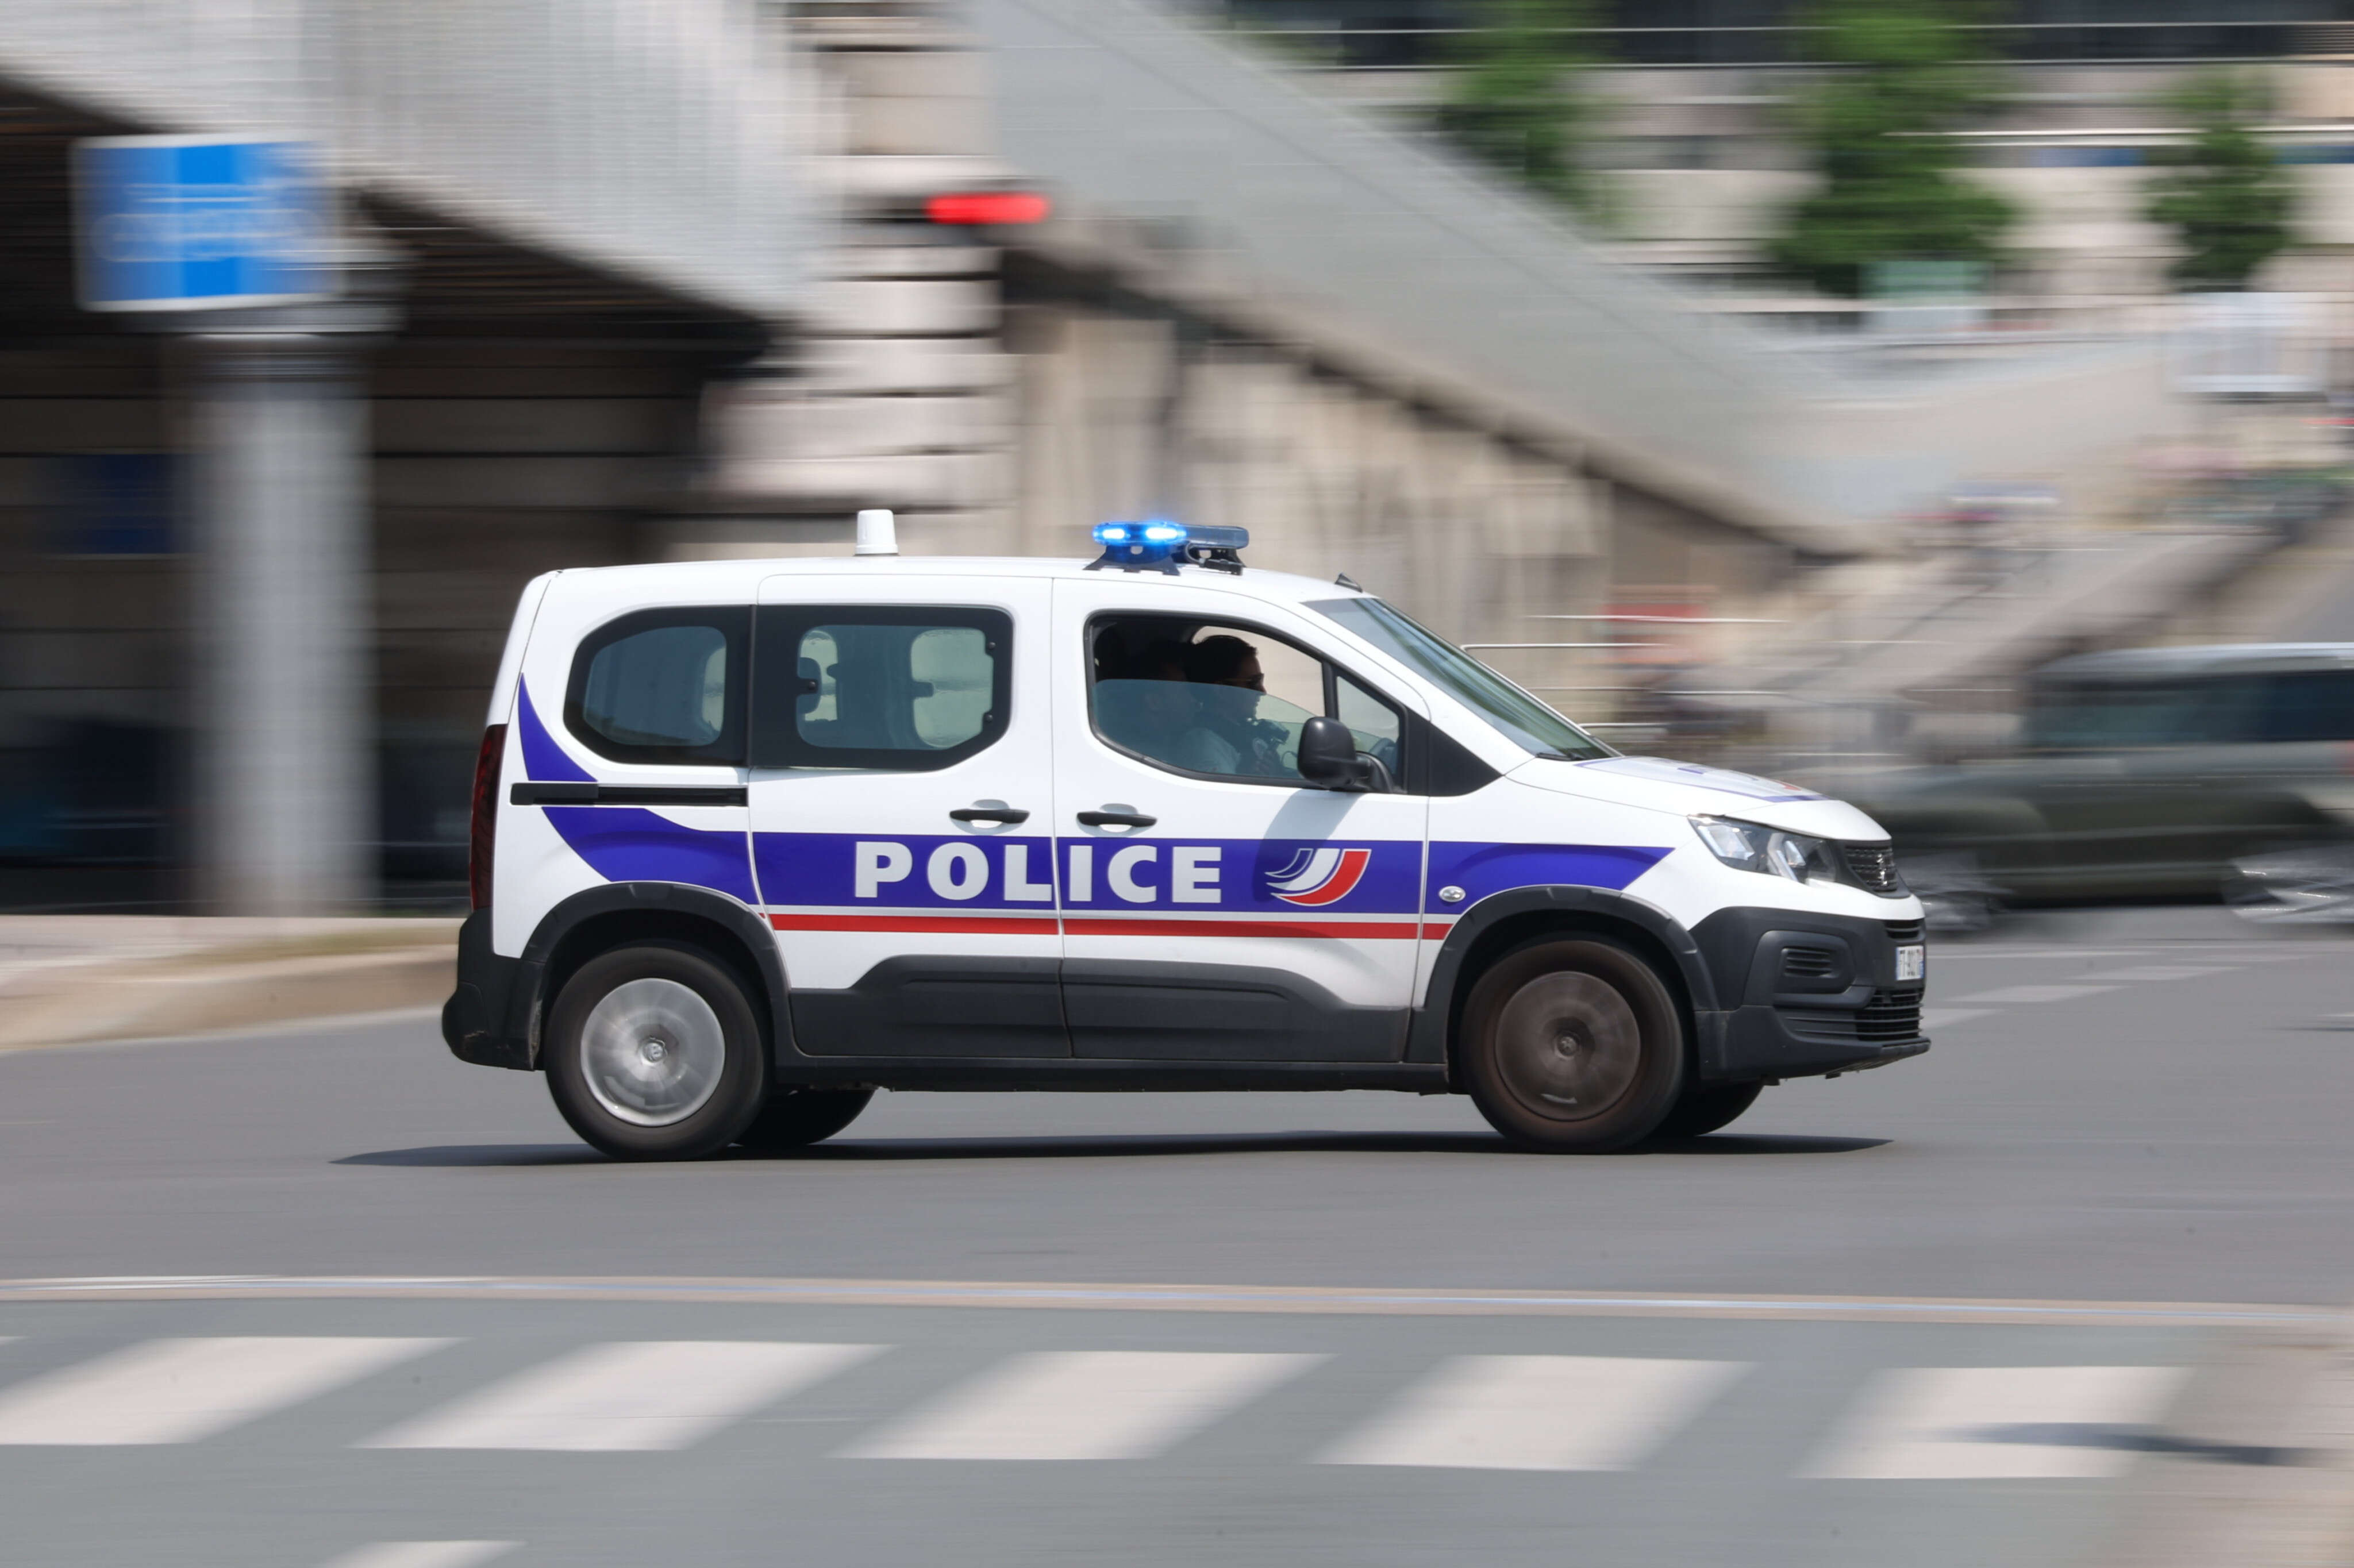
(652, 138)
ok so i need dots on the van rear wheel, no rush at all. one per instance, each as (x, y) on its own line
(653, 1053)
(799, 1117)
(1572, 1046)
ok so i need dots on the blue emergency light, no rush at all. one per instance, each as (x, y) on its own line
(1155, 546)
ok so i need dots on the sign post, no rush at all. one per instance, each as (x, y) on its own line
(229, 242)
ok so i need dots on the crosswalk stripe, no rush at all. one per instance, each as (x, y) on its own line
(424, 1554)
(1983, 1423)
(656, 1394)
(1082, 1405)
(1537, 1413)
(176, 1391)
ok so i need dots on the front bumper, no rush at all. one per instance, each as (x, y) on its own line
(1803, 995)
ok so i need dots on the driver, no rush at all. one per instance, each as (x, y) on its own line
(1226, 735)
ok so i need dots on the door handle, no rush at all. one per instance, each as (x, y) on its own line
(1115, 820)
(989, 814)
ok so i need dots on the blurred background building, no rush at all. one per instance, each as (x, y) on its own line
(1510, 309)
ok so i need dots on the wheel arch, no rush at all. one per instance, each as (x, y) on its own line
(1497, 924)
(602, 918)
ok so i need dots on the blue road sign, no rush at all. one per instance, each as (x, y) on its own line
(199, 222)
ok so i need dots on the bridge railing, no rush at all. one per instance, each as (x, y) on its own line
(1125, 104)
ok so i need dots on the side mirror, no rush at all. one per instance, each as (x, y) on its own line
(1328, 756)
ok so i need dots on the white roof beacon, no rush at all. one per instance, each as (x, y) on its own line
(878, 533)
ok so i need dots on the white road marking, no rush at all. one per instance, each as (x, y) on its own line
(662, 1393)
(176, 1391)
(2036, 993)
(1082, 1405)
(2162, 972)
(1947, 1017)
(1949, 951)
(424, 1554)
(1537, 1413)
(1983, 1423)
(1081, 1297)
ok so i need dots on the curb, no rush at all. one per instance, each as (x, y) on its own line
(153, 998)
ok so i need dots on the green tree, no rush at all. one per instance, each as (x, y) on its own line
(2227, 198)
(1898, 77)
(1518, 104)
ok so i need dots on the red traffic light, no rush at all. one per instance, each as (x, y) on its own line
(989, 208)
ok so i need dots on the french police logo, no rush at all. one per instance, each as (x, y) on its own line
(1319, 876)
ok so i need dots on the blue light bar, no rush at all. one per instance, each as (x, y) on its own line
(1166, 534)
(1140, 547)
(1157, 545)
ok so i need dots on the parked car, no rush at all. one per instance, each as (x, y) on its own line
(2144, 773)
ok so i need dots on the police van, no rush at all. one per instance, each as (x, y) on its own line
(754, 839)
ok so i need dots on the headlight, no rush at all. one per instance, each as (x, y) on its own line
(1754, 846)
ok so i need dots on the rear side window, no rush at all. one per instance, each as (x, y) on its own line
(663, 686)
(2287, 705)
(2306, 706)
(881, 689)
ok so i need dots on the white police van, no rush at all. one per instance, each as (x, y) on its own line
(754, 839)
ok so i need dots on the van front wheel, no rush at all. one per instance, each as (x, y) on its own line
(1702, 1111)
(653, 1053)
(799, 1117)
(1572, 1046)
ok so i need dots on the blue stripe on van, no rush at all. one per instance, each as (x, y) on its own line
(545, 760)
(629, 843)
(1481, 869)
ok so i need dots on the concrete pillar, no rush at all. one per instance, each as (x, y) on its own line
(285, 714)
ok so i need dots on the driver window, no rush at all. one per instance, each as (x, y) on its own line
(1226, 701)
(1372, 721)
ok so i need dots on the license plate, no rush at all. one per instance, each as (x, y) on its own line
(1911, 963)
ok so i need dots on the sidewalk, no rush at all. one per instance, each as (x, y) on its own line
(70, 980)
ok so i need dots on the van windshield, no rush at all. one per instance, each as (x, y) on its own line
(1520, 717)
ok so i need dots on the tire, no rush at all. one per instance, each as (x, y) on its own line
(1701, 1111)
(1565, 1020)
(653, 1053)
(799, 1117)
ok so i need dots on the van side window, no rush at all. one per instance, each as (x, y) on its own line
(898, 690)
(663, 685)
(1224, 701)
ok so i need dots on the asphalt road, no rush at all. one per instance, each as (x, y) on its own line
(1284, 1330)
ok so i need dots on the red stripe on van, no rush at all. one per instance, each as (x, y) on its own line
(1144, 926)
(1141, 926)
(979, 925)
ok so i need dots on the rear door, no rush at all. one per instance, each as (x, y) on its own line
(1216, 907)
(625, 753)
(901, 785)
